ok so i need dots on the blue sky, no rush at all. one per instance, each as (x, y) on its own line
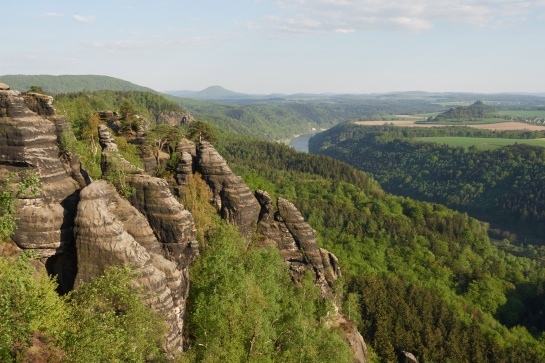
(268, 46)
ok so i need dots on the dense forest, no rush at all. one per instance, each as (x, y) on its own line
(417, 276)
(502, 186)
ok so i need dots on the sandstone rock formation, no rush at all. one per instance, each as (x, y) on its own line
(351, 335)
(151, 231)
(109, 231)
(29, 143)
(288, 231)
(171, 222)
(4, 87)
(174, 118)
(232, 198)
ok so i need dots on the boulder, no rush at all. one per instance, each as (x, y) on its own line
(3, 87)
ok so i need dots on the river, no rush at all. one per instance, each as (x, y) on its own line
(300, 143)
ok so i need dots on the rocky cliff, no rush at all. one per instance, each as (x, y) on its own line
(171, 225)
(80, 228)
(29, 144)
(233, 199)
(109, 231)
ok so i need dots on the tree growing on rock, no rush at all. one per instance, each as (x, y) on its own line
(161, 138)
(201, 131)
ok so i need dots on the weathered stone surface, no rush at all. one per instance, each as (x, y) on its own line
(29, 143)
(3, 87)
(407, 357)
(296, 240)
(187, 146)
(351, 335)
(40, 104)
(233, 199)
(174, 118)
(109, 231)
(171, 222)
(110, 157)
(184, 169)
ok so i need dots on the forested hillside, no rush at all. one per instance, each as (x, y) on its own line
(474, 112)
(70, 83)
(418, 276)
(502, 186)
(280, 119)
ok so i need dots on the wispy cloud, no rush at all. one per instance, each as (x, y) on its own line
(305, 17)
(52, 15)
(84, 19)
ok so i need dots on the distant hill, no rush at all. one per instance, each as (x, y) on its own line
(70, 83)
(212, 93)
(476, 111)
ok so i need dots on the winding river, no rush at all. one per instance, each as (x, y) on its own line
(300, 143)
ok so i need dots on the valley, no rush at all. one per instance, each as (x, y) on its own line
(414, 237)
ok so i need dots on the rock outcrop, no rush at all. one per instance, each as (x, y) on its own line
(174, 118)
(297, 242)
(109, 231)
(29, 145)
(150, 230)
(232, 198)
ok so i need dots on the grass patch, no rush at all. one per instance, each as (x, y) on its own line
(481, 143)
(522, 113)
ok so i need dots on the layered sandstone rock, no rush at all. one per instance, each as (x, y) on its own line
(233, 199)
(171, 222)
(29, 144)
(109, 231)
(288, 231)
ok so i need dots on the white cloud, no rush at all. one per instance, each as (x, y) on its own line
(304, 17)
(84, 19)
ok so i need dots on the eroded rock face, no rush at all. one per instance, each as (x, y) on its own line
(351, 335)
(233, 199)
(172, 224)
(29, 144)
(109, 231)
(174, 118)
(288, 231)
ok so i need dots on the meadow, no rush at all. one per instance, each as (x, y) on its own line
(481, 142)
(523, 113)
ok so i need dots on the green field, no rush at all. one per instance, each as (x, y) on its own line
(523, 113)
(481, 143)
(491, 120)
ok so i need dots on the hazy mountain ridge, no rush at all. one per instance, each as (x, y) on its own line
(71, 83)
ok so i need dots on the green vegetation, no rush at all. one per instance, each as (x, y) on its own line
(70, 83)
(104, 321)
(280, 119)
(501, 186)
(476, 112)
(26, 185)
(417, 276)
(480, 143)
